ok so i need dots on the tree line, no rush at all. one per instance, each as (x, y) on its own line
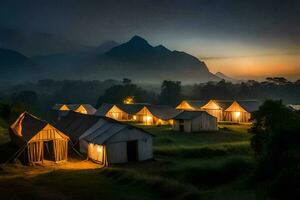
(39, 97)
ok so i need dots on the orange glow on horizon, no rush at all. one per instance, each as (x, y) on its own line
(261, 66)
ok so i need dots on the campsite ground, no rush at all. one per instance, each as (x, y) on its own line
(216, 165)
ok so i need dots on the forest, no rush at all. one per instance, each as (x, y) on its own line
(39, 97)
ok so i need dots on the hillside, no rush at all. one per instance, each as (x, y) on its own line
(135, 59)
(16, 66)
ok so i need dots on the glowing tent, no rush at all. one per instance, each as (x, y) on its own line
(106, 140)
(156, 115)
(120, 112)
(61, 110)
(240, 111)
(216, 108)
(191, 104)
(82, 108)
(38, 140)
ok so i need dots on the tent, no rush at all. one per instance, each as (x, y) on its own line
(75, 124)
(216, 108)
(195, 121)
(240, 111)
(61, 110)
(191, 104)
(38, 140)
(295, 107)
(60, 107)
(156, 114)
(119, 111)
(82, 108)
(106, 140)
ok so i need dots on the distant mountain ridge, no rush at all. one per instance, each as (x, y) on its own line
(226, 78)
(36, 43)
(135, 59)
(14, 65)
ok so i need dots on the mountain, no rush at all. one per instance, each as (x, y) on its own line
(225, 77)
(135, 59)
(15, 66)
(139, 60)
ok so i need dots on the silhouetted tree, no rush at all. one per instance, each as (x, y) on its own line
(9, 113)
(275, 141)
(117, 94)
(126, 81)
(170, 93)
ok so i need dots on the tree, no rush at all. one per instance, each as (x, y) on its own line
(275, 141)
(118, 93)
(26, 98)
(278, 80)
(126, 81)
(9, 113)
(170, 93)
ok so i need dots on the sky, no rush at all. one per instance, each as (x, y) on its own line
(243, 39)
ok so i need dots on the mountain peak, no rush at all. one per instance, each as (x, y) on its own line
(138, 40)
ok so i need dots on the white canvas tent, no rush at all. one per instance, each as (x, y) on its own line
(195, 121)
(106, 140)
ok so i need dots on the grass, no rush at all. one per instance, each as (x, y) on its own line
(216, 165)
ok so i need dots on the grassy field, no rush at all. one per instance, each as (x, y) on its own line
(216, 165)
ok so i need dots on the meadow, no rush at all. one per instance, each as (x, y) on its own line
(214, 165)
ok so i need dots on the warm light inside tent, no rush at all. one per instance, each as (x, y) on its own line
(96, 152)
(115, 115)
(128, 100)
(99, 149)
(237, 114)
(147, 119)
(134, 117)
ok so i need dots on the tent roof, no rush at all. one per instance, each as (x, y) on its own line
(58, 106)
(197, 104)
(105, 129)
(224, 104)
(89, 108)
(78, 125)
(75, 124)
(189, 115)
(27, 126)
(294, 106)
(249, 105)
(163, 112)
(131, 109)
(104, 108)
(104, 132)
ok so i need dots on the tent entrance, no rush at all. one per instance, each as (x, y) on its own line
(181, 125)
(51, 150)
(48, 150)
(132, 147)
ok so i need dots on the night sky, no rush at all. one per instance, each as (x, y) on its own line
(240, 38)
